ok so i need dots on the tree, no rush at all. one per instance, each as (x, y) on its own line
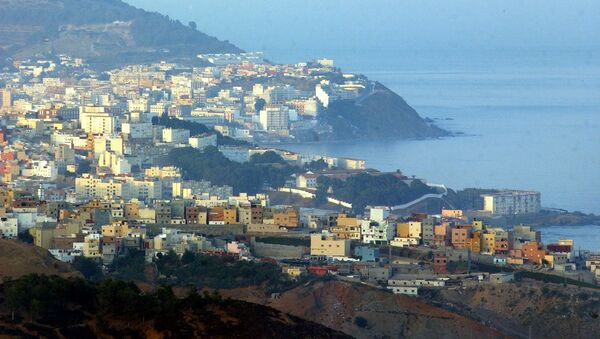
(320, 197)
(193, 25)
(316, 165)
(259, 104)
(25, 237)
(88, 267)
(361, 322)
(188, 257)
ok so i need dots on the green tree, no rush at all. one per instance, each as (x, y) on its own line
(259, 104)
(25, 237)
(88, 267)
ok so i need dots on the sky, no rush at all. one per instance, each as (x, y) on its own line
(422, 25)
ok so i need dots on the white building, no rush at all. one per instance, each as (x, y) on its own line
(235, 153)
(117, 164)
(275, 118)
(97, 120)
(44, 169)
(510, 202)
(379, 213)
(374, 232)
(406, 290)
(404, 242)
(137, 130)
(9, 227)
(175, 136)
(203, 141)
(307, 180)
(89, 187)
(108, 143)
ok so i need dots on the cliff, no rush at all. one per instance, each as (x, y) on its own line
(380, 113)
(105, 32)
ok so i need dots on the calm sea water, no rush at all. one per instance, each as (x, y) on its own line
(584, 237)
(529, 122)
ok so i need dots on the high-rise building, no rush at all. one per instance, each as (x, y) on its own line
(512, 202)
(97, 120)
(275, 118)
(6, 100)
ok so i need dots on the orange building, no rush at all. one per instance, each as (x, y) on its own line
(230, 215)
(501, 246)
(287, 218)
(533, 252)
(459, 236)
(474, 243)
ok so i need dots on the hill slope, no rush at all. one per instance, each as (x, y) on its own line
(42, 306)
(100, 30)
(18, 259)
(337, 304)
(380, 114)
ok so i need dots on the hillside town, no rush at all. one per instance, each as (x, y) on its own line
(87, 170)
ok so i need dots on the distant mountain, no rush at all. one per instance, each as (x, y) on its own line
(106, 32)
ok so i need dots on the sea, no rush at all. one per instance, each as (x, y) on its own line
(523, 120)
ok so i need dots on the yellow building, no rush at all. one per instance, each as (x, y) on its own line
(477, 225)
(293, 271)
(117, 230)
(230, 215)
(455, 214)
(42, 236)
(287, 218)
(347, 227)
(488, 243)
(411, 229)
(91, 246)
(474, 243)
(328, 245)
(131, 211)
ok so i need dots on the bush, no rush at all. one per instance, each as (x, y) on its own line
(361, 322)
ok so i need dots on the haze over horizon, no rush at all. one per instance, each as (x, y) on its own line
(319, 27)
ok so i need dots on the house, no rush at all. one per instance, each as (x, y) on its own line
(328, 245)
(9, 227)
(406, 290)
(366, 253)
(374, 232)
(440, 263)
(307, 180)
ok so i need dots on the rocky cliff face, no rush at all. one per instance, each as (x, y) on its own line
(103, 31)
(380, 113)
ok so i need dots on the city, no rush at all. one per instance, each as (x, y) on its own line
(156, 181)
(81, 166)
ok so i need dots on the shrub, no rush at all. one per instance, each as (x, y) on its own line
(361, 322)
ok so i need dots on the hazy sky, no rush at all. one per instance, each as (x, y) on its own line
(321, 25)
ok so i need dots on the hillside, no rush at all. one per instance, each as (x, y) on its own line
(379, 114)
(18, 259)
(337, 304)
(550, 310)
(42, 306)
(101, 31)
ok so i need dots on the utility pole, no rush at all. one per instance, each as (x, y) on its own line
(468, 261)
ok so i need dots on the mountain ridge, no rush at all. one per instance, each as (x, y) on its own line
(105, 32)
